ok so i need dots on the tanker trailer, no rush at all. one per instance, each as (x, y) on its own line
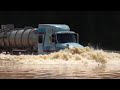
(15, 40)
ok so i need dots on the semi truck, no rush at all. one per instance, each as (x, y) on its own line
(44, 39)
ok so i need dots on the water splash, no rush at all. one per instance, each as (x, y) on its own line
(84, 62)
(85, 55)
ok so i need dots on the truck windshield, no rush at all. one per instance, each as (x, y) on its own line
(66, 38)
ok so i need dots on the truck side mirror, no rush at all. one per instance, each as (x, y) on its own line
(77, 38)
(53, 38)
(50, 39)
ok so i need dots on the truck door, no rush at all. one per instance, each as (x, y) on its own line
(48, 46)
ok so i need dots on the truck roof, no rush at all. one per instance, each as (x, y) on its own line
(61, 26)
(59, 32)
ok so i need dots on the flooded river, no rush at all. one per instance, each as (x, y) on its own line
(74, 63)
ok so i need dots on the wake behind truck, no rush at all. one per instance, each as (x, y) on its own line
(45, 39)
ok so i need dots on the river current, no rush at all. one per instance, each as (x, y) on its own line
(74, 63)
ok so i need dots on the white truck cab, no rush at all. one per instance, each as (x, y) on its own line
(54, 37)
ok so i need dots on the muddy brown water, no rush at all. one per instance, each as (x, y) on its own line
(75, 63)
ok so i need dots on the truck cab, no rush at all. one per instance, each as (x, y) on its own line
(54, 37)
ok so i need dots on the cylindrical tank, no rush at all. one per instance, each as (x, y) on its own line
(12, 38)
(18, 38)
